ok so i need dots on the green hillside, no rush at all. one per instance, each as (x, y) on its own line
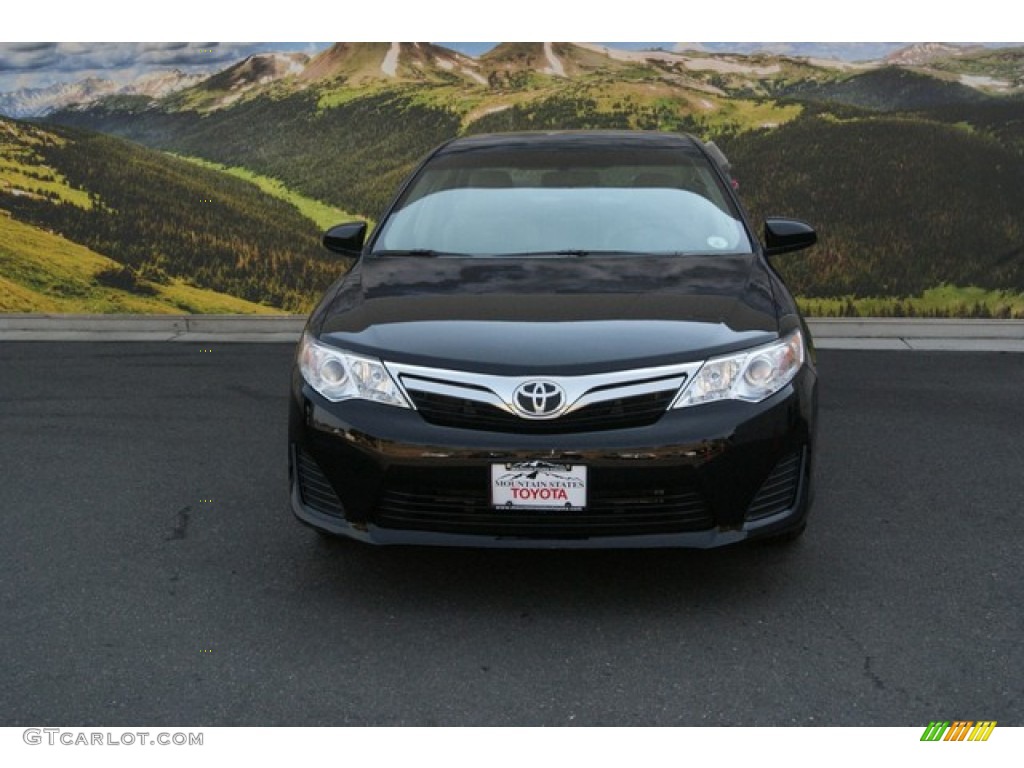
(43, 272)
(890, 89)
(163, 217)
(901, 205)
(323, 215)
(352, 156)
(1000, 119)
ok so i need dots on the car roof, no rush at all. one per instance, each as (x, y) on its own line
(576, 139)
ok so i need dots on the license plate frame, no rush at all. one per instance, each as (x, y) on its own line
(539, 485)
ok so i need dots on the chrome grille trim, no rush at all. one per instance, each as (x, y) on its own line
(580, 391)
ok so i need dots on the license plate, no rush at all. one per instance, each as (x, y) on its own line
(539, 485)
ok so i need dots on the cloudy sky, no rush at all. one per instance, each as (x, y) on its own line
(33, 65)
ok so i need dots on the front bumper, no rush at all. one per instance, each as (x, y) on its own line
(699, 477)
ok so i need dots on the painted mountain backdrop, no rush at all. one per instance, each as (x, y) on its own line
(125, 196)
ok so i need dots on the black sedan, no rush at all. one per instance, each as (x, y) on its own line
(567, 339)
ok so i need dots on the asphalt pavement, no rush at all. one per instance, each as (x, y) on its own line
(151, 572)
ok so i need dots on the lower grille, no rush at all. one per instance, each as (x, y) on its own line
(314, 488)
(621, 413)
(778, 492)
(465, 508)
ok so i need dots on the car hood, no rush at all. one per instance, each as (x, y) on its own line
(568, 315)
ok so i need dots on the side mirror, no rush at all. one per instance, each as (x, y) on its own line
(346, 239)
(785, 235)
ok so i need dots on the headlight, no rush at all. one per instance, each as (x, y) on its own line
(341, 375)
(751, 375)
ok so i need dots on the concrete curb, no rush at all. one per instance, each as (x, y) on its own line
(921, 334)
(915, 328)
(160, 324)
(829, 333)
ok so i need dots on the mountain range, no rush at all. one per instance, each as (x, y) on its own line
(975, 65)
(853, 52)
(37, 102)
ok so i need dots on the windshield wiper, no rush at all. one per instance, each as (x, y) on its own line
(574, 252)
(425, 252)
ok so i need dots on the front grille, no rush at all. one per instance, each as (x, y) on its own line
(621, 413)
(413, 500)
(314, 487)
(778, 492)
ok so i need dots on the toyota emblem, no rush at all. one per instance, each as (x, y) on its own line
(539, 399)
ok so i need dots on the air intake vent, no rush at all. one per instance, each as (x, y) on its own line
(316, 491)
(778, 493)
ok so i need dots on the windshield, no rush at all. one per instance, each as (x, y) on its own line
(535, 200)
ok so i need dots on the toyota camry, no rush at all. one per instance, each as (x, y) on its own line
(564, 339)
